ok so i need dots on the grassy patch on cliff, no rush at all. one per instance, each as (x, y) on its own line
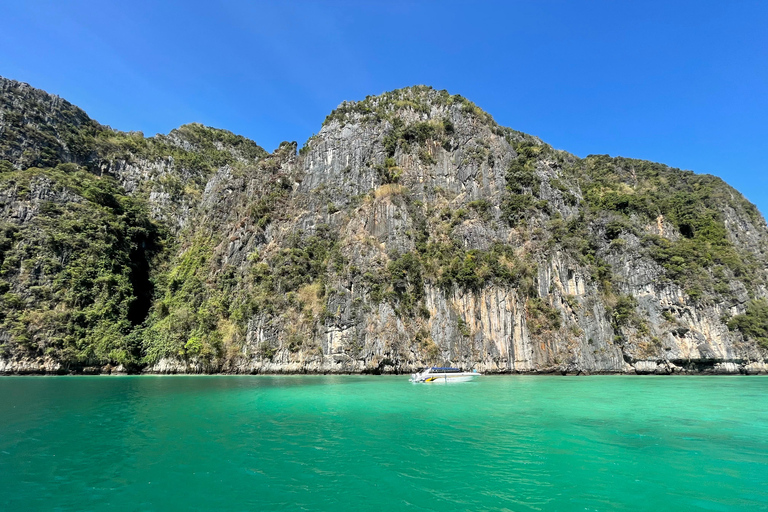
(638, 196)
(753, 323)
(522, 183)
(192, 318)
(419, 98)
(76, 276)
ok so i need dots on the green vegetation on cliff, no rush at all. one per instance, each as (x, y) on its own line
(754, 322)
(701, 259)
(76, 277)
(365, 246)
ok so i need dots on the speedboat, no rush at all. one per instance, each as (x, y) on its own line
(439, 375)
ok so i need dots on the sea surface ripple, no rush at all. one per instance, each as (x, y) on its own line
(331, 443)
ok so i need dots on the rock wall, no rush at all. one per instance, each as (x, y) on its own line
(439, 237)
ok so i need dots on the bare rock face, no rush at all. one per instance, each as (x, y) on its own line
(411, 230)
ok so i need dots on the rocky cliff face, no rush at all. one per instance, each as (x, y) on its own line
(412, 230)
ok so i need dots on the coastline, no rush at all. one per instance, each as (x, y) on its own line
(640, 368)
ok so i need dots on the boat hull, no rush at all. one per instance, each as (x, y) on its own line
(436, 378)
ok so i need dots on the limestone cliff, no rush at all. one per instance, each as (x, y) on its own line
(411, 230)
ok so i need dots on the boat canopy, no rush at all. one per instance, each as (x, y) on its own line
(442, 369)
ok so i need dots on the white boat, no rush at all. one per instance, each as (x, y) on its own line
(437, 375)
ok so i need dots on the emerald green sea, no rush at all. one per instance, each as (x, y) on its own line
(380, 443)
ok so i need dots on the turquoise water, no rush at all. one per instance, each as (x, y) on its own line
(380, 443)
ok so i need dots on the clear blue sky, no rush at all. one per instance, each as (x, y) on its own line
(683, 83)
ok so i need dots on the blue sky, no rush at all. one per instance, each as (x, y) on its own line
(683, 83)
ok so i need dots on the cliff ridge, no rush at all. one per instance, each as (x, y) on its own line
(411, 230)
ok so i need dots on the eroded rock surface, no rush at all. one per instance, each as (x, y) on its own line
(411, 230)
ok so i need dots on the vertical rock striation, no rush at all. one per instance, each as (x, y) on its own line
(411, 230)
